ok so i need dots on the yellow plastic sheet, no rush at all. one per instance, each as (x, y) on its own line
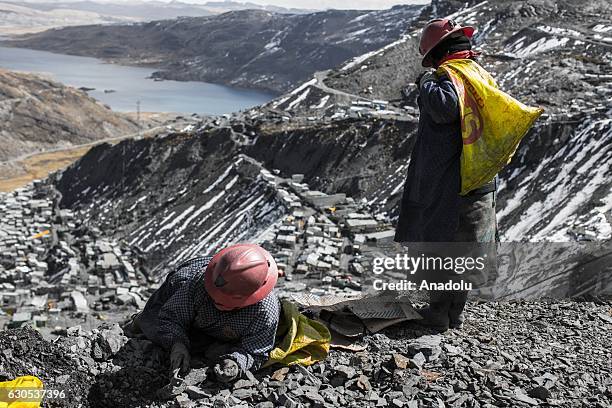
(492, 122)
(22, 392)
(41, 234)
(300, 340)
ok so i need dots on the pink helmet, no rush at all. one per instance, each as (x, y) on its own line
(437, 30)
(240, 275)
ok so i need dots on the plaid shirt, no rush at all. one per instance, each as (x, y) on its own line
(189, 307)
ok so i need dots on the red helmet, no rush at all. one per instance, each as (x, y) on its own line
(437, 30)
(239, 276)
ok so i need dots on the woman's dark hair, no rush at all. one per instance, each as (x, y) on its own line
(450, 45)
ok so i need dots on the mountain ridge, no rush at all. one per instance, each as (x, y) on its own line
(246, 48)
(345, 141)
(315, 177)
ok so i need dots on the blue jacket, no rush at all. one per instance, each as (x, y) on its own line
(429, 209)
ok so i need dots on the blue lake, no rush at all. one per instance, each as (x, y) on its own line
(131, 84)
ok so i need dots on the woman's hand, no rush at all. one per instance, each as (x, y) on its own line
(227, 370)
(424, 77)
(180, 357)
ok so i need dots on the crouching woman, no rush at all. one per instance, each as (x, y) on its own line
(223, 307)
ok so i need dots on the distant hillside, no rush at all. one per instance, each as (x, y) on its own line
(139, 11)
(19, 18)
(156, 10)
(249, 48)
(187, 193)
(228, 5)
(38, 114)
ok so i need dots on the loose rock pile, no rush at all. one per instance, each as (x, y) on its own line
(323, 243)
(508, 355)
(66, 270)
(54, 268)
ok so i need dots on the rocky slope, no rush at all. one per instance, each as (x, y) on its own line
(519, 353)
(344, 140)
(510, 354)
(39, 114)
(315, 176)
(247, 48)
(559, 180)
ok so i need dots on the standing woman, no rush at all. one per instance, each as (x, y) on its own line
(432, 208)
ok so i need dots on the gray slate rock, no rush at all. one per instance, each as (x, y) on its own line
(429, 346)
(540, 392)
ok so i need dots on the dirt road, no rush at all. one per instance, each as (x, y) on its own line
(18, 172)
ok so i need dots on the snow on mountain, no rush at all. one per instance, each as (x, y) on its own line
(244, 48)
(347, 131)
(541, 58)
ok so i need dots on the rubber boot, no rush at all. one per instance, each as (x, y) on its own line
(436, 314)
(455, 312)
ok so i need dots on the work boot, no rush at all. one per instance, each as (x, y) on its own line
(455, 311)
(436, 314)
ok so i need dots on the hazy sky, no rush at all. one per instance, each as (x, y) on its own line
(304, 4)
(325, 4)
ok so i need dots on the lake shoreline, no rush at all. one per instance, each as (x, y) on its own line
(125, 85)
(159, 69)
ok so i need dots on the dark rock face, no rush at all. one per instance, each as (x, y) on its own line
(351, 157)
(248, 48)
(191, 193)
(520, 41)
(187, 194)
(236, 178)
(181, 191)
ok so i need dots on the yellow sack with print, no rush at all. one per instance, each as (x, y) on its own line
(492, 122)
(22, 392)
(300, 340)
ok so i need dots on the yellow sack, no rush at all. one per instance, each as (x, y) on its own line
(22, 392)
(299, 340)
(492, 122)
